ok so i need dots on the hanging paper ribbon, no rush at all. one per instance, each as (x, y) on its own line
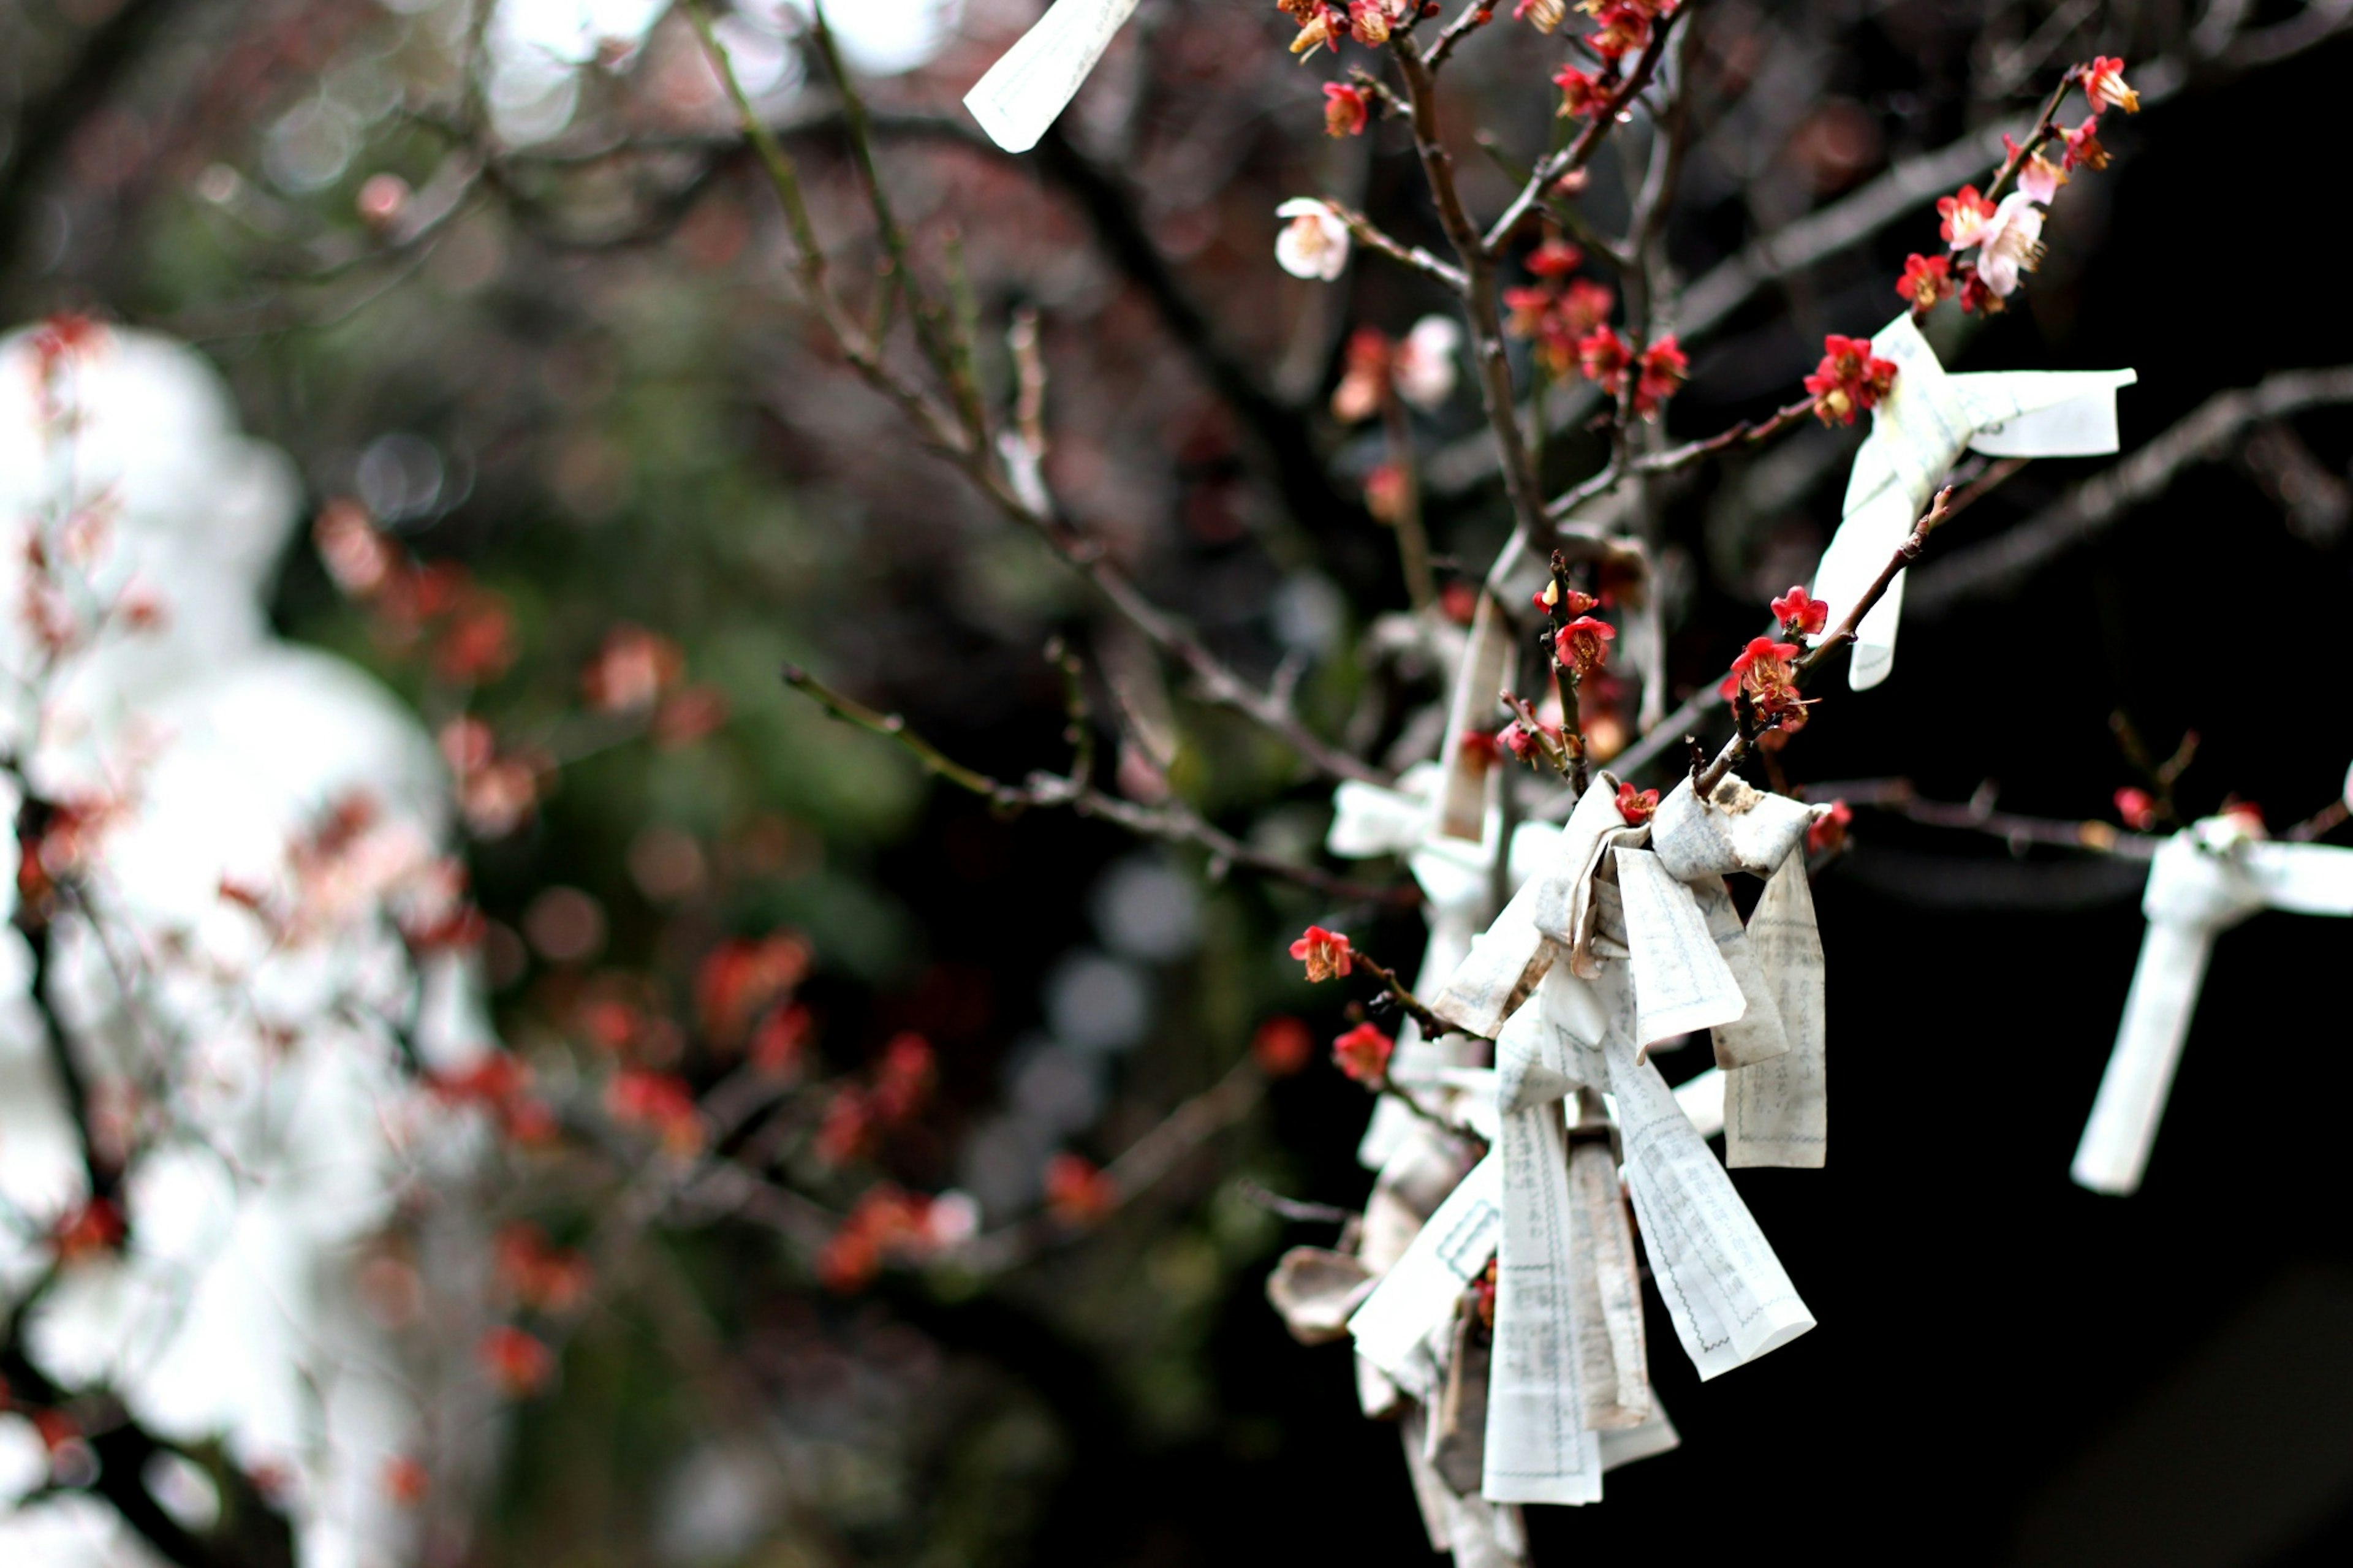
(1917, 431)
(1027, 89)
(2204, 880)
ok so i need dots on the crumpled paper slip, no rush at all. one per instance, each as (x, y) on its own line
(1917, 431)
(2204, 880)
(1314, 1290)
(1027, 89)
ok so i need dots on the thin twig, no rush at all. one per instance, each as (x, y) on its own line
(1173, 822)
(1703, 783)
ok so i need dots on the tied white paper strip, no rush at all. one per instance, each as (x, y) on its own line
(1027, 89)
(1614, 1356)
(1726, 1293)
(1776, 1109)
(1539, 1446)
(1417, 1296)
(1917, 431)
(2204, 880)
(1682, 982)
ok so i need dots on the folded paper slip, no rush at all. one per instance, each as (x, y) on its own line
(1917, 431)
(2204, 880)
(1027, 90)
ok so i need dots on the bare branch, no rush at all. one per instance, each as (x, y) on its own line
(2207, 434)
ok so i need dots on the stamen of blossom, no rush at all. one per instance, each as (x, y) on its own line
(1636, 807)
(1319, 24)
(1763, 670)
(1315, 243)
(1369, 20)
(1850, 379)
(1363, 1053)
(2104, 84)
(1325, 954)
(1621, 26)
(1583, 645)
(1964, 216)
(1800, 614)
(1346, 110)
(1925, 280)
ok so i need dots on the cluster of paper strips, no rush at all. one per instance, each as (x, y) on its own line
(2204, 880)
(1917, 431)
(1615, 938)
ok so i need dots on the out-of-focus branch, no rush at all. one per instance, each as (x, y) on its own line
(955, 434)
(1677, 458)
(1173, 822)
(1899, 797)
(45, 129)
(1481, 303)
(251, 1533)
(1140, 1168)
(1554, 167)
(2205, 436)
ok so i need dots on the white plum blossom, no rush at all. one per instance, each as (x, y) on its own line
(1425, 368)
(2009, 242)
(1314, 243)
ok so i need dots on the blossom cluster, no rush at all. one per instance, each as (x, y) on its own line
(1323, 24)
(1990, 244)
(1566, 319)
(1620, 27)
